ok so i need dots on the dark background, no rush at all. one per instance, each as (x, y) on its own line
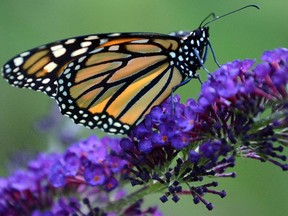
(259, 189)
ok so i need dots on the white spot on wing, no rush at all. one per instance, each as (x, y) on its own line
(96, 50)
(18, 61)
(114, 34)
(110, 121)
(46, 80)
(92, 37)
(114, 48)
(180, 58)
(126, 127)
(59, 52)
(24, 54)
(71, 64)
(8, 70)
(79, 52)
(81, 59)
(57, 47)
(50, 67)
(15, 70)
(83, 121)
(20, 77)
(172, 54)
(102, 41)
(117, 124)
(77, 67)
(112, 130)
(144, 41)
(85, 43)
(68, 76)
(70, 41)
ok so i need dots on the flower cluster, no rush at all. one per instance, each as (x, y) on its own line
(28, 189)
(90, 170)
(91, 162)
(241, 111)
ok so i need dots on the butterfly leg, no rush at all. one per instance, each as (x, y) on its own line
(199, 79)
(196, 52)
(213, 54)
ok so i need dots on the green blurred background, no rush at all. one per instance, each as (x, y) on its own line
(259, 189)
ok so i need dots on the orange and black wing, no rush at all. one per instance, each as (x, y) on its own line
(39, 68)
(110, 81)
(116, 84)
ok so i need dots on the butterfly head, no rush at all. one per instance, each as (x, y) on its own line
(192, 51)
(201, 34)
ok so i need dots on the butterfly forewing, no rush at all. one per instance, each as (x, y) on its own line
(39, 68)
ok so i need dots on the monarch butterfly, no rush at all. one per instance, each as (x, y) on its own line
(110, 81)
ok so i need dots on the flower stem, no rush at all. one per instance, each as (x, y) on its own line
(133, 197)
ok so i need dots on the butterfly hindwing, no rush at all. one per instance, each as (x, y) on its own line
(114, 86)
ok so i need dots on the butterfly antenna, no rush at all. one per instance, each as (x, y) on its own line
(218, 17)
(206, 18)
